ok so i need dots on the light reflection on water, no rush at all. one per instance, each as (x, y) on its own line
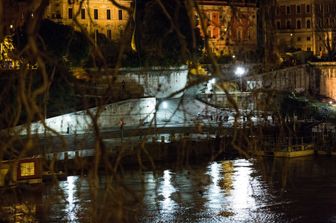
(167, 189)
(226, 191)
(70, 197)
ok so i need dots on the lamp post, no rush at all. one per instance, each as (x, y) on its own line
(240, 72)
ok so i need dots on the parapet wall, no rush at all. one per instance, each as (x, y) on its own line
(133, 112)
(159, 82)
(318, 78)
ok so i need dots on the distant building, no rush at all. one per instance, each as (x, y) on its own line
(231, 26)
(94, 16)
(307, 25)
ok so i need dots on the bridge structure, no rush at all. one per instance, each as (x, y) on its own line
(167, 118)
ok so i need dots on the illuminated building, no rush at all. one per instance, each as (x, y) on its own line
(94, 16)
(308, 25)
(231, 26)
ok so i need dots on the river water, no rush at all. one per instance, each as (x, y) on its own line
(240, 190)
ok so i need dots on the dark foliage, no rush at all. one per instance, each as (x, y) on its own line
(59, 42)
(166, 37)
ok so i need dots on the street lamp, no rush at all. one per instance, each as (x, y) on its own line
(240, 72)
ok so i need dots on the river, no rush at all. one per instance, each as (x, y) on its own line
(240, 190)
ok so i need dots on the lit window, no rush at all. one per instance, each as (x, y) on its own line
(95, 14)
(27, 169)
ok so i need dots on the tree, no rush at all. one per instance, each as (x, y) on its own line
(61, 43)
(267, 31)
(168, 35)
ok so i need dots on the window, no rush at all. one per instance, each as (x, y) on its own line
(308, 49)
(70, 13)
(120, 14)
(288, 10)
(108, 14)
(82, 13)
(109, 34)
(95, 13)
(308, 8)
(277, 11)
(288, 24)
(298, 24)
(299, 39)
(27, 169)
(278, 25)
(298, 9)
(308, 24)
(239, 35)
(308, 38)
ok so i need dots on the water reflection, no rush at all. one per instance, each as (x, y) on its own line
(214, 195)
(70, 198)
(242, 199)
(166, 189)
(276, 190)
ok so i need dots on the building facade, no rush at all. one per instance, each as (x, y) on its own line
(231, 26)
(94, 16)
(307, 25)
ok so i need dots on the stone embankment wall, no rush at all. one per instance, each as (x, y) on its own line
(156, 81)
(319, 78)
(325, 73)
(133, 112)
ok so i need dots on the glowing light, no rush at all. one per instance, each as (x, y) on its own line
(164, 105)
(240, 71)
(212, 81)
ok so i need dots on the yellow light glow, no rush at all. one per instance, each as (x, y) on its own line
(27, 169)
